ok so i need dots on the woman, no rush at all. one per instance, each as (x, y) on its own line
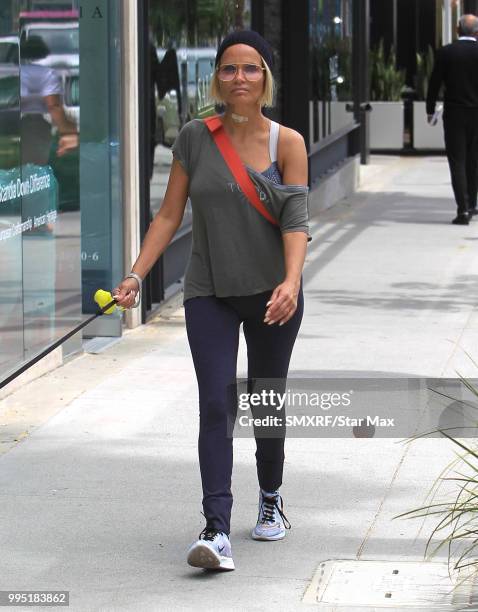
(242, 268)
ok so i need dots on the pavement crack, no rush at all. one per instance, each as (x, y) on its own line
(382, 503)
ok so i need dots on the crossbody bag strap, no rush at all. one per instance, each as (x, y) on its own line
(236, 166)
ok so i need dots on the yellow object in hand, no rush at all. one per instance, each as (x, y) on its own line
(102, 298)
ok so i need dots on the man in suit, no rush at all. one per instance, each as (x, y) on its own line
(456, 67)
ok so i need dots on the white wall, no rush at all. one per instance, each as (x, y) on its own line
(130, 124)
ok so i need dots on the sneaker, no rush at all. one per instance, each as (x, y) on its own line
(271, 521)
(211, 551)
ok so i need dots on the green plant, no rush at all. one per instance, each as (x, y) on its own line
(459, 515)
(425, 62)
(386, 80)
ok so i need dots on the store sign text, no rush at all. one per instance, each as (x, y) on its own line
(19, 188)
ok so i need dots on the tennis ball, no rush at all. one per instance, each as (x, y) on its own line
(102, 298)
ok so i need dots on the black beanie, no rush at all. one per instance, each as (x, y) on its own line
(247, 37)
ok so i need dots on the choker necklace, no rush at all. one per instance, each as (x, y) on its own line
(239, 118)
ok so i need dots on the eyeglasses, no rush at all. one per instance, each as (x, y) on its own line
(227, 72)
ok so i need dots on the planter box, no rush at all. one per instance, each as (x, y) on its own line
(426, 136)
(339, 117)
(387, 125)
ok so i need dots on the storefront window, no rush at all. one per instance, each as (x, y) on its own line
(330, 39)
(58, 169)
(11, 304)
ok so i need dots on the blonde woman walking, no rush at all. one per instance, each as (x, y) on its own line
(245, 266)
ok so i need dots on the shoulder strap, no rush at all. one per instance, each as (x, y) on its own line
(273, 140)
(236, 166)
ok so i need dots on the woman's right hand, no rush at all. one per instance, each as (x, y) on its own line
(125, 293)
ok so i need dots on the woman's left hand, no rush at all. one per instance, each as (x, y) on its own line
(282, 303)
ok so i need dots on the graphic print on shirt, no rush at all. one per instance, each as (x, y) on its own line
(236, 187)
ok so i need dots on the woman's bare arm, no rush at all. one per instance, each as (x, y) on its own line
(294, 158)
(295, 172)
(283, 301)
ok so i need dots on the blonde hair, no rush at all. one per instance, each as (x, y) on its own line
(267, 98)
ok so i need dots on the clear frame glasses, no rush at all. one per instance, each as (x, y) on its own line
(227, 72)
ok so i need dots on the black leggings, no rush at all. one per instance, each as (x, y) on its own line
(212, 326)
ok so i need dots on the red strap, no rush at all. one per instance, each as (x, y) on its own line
(236, 166)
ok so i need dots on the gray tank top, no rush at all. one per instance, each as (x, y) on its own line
(235, 251)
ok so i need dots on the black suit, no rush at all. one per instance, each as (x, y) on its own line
(456, 66)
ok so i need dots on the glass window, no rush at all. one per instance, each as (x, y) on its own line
(49, 142)
(330, 41)
(59, 172)
(11, 304)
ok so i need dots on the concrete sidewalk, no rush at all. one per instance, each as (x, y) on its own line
(99, 479)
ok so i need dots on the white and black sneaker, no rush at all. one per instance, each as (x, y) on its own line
(211, 551)
(271, 520)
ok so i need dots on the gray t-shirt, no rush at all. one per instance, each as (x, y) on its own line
(235, 251)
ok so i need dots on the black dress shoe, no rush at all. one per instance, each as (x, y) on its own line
(462, 219)
(472, 212)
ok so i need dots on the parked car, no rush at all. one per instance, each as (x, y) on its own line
(62, 39)
(195, 66)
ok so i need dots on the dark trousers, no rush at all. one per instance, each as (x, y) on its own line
(461, 142)
(212, 326)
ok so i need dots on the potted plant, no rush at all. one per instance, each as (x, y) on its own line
(386, 86)
(457, 517)
(425, 136)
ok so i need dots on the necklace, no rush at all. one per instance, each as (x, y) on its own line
(239, 118)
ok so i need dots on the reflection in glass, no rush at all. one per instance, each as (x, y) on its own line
(49, 142)
(39, 200)
(331, 67)
(52, 258)
(11, 302)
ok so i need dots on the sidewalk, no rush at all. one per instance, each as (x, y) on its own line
(101, 494)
